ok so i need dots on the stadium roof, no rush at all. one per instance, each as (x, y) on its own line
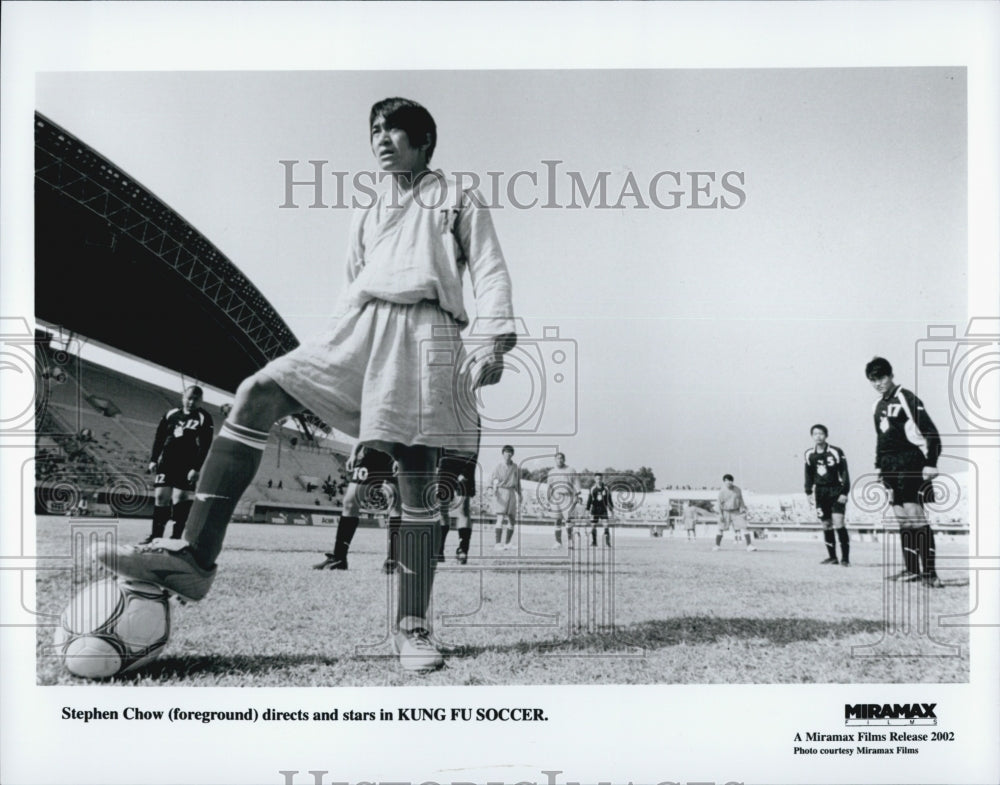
(116, 264)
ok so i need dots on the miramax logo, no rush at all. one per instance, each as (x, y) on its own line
(890, 714)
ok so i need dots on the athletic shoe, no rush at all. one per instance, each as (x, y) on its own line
(902, 574)
(845, 564)
(751, 548)
(416, 652)
(556, 546)
(166, 563)
(828, 561)
(461, 556)
(147, 541)
(933, 581)
(389, 566)
(499, 547)
(331, 563)
(716, 548)
(913, 576)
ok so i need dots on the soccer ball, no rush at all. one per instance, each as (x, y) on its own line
(112, 627)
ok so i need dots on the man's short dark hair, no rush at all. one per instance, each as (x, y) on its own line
(409, 116)
(507, 448)
(561, 455)
(821, 427)
(727, 477)
(194, 388)
(598, 475)
(877, 368)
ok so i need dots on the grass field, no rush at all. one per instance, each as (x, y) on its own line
(674, 612)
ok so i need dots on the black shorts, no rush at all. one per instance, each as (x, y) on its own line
(902, 474)
(456, 477)
(172, 472)
(826, 501)
(598, 516)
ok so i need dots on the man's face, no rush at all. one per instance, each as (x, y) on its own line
(393, 150)
(508, 457)
(728, 483)
(560, 462)
(819, 437)
(599, 480)
(882, 384)
(190, 399)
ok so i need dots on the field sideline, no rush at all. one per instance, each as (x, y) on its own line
(682, 614)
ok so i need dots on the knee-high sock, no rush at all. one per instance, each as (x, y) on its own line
(182, 510)
(346, 526)
(559, 533)
(395, 521)
(443, 535)
(229, 468)
(161, 514)
(924, 537)
(845, 544)
(911, 559)
(417, 541)
(831, 543)
(464, 538)
(510, 534)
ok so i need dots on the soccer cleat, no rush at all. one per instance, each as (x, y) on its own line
(332, 563)
(416, 652)
(828, 561)
(932, 581)
(499, 547)
(751, 548)
(461, 556)
(389, 566)
(911, 577)
(166, 563)
(556, 546)
(902, 574)
(147, 541)
(845, 564)
(716, 548)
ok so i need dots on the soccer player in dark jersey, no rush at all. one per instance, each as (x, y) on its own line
(373, 484)
(907, 448)
(179, 449)
(599, 504)
(826, 472)
(456, 487)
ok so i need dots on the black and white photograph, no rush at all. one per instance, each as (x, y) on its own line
(420, 400)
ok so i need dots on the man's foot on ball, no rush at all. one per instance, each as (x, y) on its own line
(169, 564)
(389, 566)
(416, 651)
(461, 556)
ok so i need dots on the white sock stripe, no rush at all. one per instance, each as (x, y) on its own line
(227, 433)
(243, 430)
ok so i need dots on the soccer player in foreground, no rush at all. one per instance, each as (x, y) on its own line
(562, 494)
(599, 504)
(179, 449)
(732, 510)
(826, 472)
(506, 484)
(368, 374)
(907, 446)
(372, 472)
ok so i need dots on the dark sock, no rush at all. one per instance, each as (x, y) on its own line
(499, 533)
(831, 544)
(180, 515)
(593, 535)
(464, 537)
(510, 535)
(607, 537)
(911, 559)
(718, 540)
(445, 528)
(346, 526)
(395, 522)
(228, 470)
(161, 514)
(559, 535)
(925, 546)
(845, 544)
(416, 559)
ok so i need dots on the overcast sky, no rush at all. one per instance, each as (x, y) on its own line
(708, 340)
